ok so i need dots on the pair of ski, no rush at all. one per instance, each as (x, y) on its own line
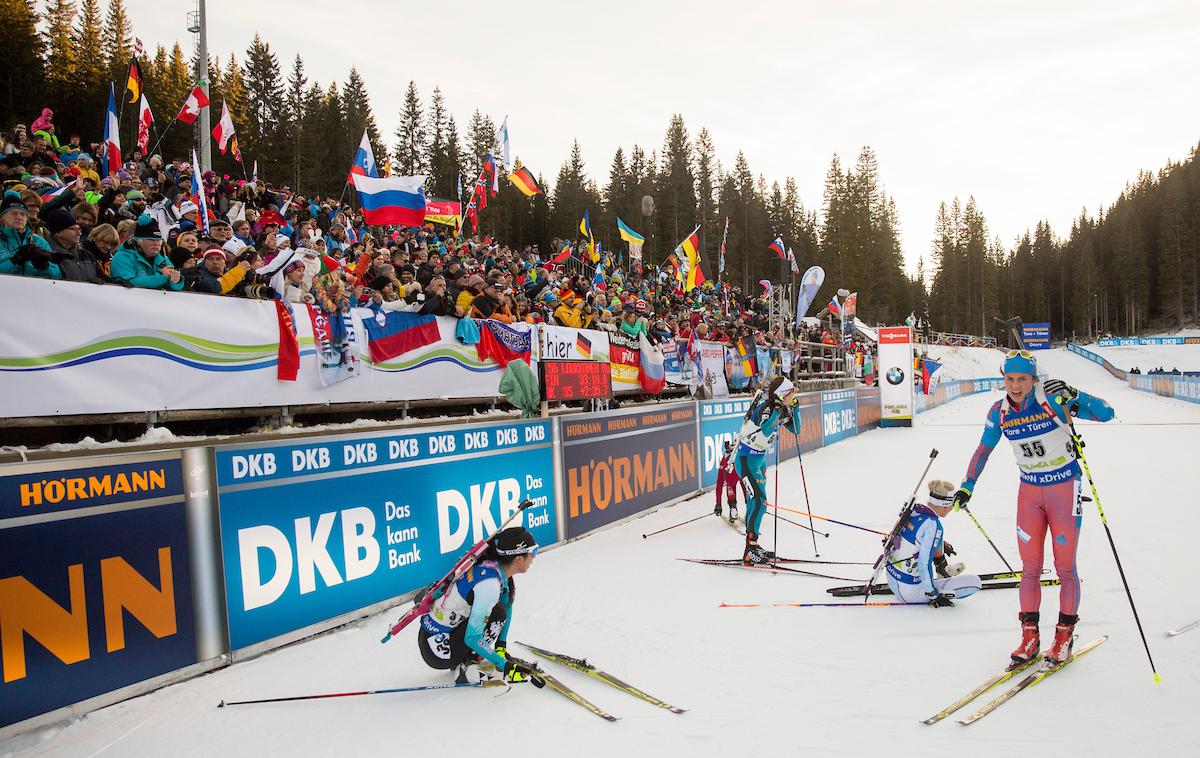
(881, 588)
(1040, 674)
(581, 664)
(774, 566)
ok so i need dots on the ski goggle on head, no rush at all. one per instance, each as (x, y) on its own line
(1019, 362)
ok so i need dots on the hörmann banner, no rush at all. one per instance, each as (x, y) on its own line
(317, 528)
(618, 463)
(95, 591)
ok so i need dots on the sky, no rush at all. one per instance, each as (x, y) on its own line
(1037, 109)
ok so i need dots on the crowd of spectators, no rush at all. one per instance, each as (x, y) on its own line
(141, 227)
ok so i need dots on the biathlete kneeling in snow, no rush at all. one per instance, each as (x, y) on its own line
(922, 554)
(1035, 418)
(469, 623)
(727, 480)
(769, 409)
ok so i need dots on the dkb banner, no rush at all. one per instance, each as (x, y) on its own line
(808, 410)
(95, 593)
(615, 464)
(320, 527)
(839, 415)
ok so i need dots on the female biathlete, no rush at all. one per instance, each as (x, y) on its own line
(1034, 417)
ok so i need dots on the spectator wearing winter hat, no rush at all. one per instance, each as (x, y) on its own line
(22, 251)
(213, 277)
(569, 312)
(467, 296)
(76, 263)
(140, 262)
(134, 205)
(189, 215)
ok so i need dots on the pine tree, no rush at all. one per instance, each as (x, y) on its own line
(481, 139)
(92, 67)
(676, 195)
(62, 60)
(22, 74)
(437, 157)
(454, 158)
(264, 88)
(117, 44)
(704, 154)
(297, 86)
(411, 149)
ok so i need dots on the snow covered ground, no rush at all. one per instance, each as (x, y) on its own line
(852, 681)
(965, 362)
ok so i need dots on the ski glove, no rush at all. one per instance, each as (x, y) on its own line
(1060, 388)
(938, 600)
(948, 550)
(517, 670)
(961, 498)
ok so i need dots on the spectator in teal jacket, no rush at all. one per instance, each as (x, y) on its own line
(140, 262)
(21, 251)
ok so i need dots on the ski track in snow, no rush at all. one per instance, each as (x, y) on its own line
(818, 681)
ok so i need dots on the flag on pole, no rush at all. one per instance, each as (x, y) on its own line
(396, 200)
(835, 307)
(224, 130)
(490, 165)
(690, 248)
(776, 248)
(585, 228)
(112, 135)
(145, 118)
(134, 83)
(505, 150)
(198, 193)
(524, 181)
(634, 239)
(724, 236)
(254, 172)
(792, 262)
(364, 160)
(236, 150)
(191, 107)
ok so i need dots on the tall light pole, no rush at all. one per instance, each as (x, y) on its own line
(198, 24)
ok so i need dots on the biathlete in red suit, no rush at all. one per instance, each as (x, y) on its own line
(727, 479)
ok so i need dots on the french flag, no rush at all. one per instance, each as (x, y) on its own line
(395, 200)
(364, 160)
(112, 136)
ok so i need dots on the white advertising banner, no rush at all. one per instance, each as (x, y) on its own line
(896, 376)
(71, 348)
(712, 358)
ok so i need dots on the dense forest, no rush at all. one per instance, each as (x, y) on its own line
(1129, 267)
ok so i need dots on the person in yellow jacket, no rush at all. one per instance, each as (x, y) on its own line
(569, 312)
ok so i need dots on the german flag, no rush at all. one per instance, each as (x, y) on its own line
(748, 360)
(134, 84)
(524, 181)
(583, 346)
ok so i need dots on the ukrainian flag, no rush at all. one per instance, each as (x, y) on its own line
(628, 234)
(585, 228)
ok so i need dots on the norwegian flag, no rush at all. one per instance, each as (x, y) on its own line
(138, 48)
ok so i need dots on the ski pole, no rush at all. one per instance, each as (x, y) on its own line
(483, 683)
(673, 526)
(807, 504)
(802, 526)
(814, 605)
(989, 539)
(823, 518)
(892, 535)
(1077, 441)
(775, 537)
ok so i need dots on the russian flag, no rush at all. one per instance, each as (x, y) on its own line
(364, 160)
(394, 333)
(835, 307)
(398, 200)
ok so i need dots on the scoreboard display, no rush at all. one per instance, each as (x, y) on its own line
(575, 380)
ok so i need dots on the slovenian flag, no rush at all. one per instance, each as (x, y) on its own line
(394, 333)
(653, 374)
(364, 160)
(776, 248)
(835, 307)
(583, 346)
(395, 200)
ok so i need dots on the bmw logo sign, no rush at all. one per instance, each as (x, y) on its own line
(895, 375)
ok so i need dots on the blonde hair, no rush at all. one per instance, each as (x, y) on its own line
(125, 228)
(104, 233)
(940, 487)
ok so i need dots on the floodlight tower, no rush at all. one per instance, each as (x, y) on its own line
(198, 25)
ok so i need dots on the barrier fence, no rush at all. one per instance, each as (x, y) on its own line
(135, 351)
(1181, 387)
(121, 573)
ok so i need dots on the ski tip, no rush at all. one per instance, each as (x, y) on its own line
(221, 704)
(1157, 678)
(386, 637)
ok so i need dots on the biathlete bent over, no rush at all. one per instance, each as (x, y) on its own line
(768, 410)
(1035, 419)
(727, 480)
(469, 623)
(919, 569)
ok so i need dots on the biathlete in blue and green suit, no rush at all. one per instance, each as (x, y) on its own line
(770, 409)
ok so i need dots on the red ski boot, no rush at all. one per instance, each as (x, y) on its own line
(1064, 639)
(1030, 640)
